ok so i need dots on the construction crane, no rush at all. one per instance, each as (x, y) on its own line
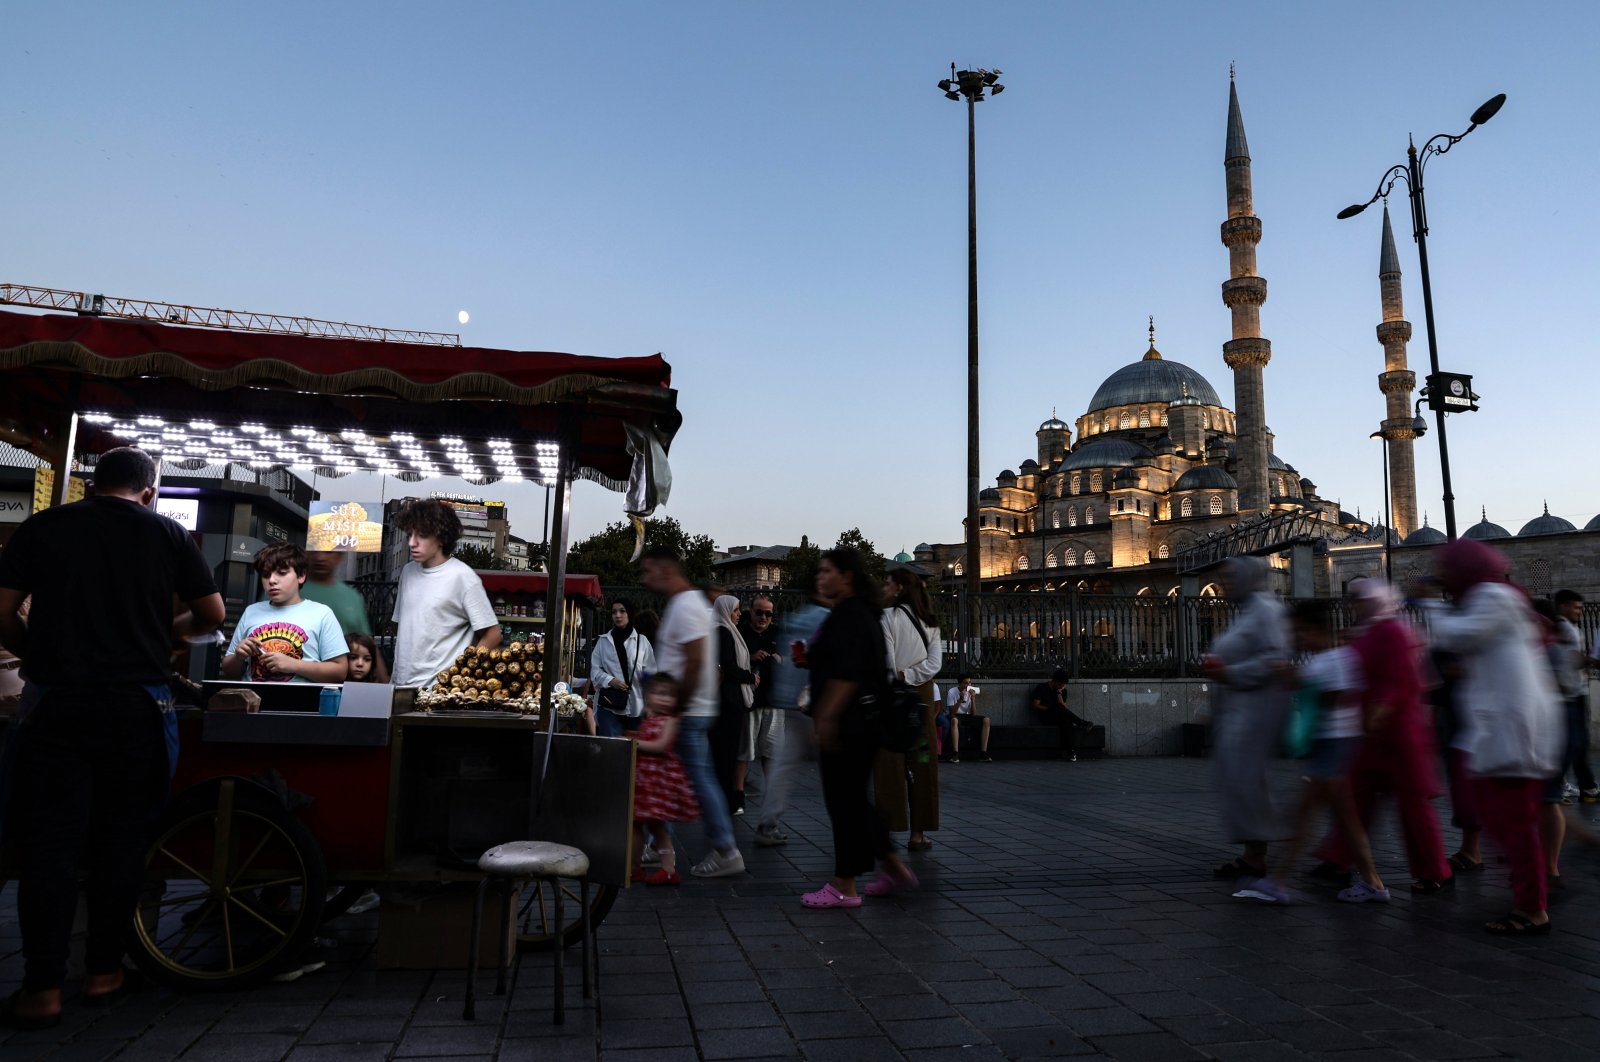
(87, 304)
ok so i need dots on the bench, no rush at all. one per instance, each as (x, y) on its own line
(1041, 742)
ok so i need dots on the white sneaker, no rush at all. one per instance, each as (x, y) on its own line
(650, 857)
(769, 836)
(717, 865)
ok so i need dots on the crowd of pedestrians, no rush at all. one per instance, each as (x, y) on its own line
(1490, 677)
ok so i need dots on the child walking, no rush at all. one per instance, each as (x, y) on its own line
(661, 790)
(1331, 675)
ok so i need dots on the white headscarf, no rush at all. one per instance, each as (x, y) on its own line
(1379, 596)
(725, 607)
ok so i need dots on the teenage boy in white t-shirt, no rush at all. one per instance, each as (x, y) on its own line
(441, 607)
(286, 638)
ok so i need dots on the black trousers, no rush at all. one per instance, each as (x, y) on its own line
(1577, 710)
(91, 774)
(859, 836)
(1067, 724)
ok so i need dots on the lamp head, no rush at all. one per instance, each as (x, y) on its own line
(1377, 434)
(997, 89)
(1352, 211)
(945, 84)
(951, 94)
(1489, 109)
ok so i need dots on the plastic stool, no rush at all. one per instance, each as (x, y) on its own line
(508, 864)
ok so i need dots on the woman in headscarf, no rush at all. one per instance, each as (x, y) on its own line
(735, 698)
(1512, 711)
(1247, 662)
(911, 632)
(616, 671)
(1397, 755)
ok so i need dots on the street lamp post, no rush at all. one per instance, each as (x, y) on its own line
(972, 85)
(1411, 172)
(1419, 428)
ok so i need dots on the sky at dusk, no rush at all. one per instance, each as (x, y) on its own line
(774, 197)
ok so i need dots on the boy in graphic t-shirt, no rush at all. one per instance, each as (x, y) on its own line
(286, 638)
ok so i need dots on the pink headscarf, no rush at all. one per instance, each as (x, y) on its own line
(1466, 562)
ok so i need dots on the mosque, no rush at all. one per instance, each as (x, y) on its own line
(1165, 480)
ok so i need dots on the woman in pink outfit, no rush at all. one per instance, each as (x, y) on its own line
(1397, 755)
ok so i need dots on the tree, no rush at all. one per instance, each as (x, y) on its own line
(800, 566)
(482, 558)
(606, 554)
(854, 539)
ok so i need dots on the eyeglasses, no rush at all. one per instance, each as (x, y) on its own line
(763, 612)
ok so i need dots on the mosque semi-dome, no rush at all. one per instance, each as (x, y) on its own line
(1107, 453)
(1152, 380)
(1206, 477)
(1546, 525)
(1426, 536)
(1483, 530)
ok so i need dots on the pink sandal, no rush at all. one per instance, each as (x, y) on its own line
(828, 896)
(888, 883)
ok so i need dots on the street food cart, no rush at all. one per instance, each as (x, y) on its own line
(273, 812)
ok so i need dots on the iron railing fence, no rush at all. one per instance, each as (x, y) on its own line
(1089, 635)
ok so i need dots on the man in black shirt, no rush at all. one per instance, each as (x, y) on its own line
(1050, 704)
(763, 724)
(93, 755)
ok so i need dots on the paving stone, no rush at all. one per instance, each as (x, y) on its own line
(1105, 1021)
(733, 1016)
(832, 1025)
(933, 1032)
(1147, 1047)
(747, 1043)
(858, 1049)
(242, 1047)
(347, 1052)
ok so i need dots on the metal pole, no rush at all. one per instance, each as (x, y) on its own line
(974, 575)
(1419, 232)
(556, 565)
(1388, 512)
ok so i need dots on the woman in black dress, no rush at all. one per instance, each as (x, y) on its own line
(849, 664)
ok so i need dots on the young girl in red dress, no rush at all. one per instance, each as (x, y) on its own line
(661, 791)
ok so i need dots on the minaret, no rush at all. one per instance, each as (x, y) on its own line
(1397, 382)
(1243, 293)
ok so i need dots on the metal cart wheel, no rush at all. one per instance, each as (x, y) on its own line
(537, 917)
(234, 889)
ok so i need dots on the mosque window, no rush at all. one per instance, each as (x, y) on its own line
(1088, 514)
(1161, 417)
(1144, 418)
(1052, 560)
(1125, 421)
(1164, 552)
(1055, 519)
(1077, 482)
(1122, 505)
(1111, 422)
(1186, 507)
(1216, 505)
(1022, 563)
(959, 567)
(1095, 483)
(1072, 558)
(1088, 556)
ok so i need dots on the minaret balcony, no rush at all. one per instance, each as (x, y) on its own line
(1399, 429)
(1249, 350)
(1245, 229)
(1390, 331)
(1244, 291)
(1400, 381)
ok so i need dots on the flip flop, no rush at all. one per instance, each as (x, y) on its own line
(1463, 865)
(1515, 925)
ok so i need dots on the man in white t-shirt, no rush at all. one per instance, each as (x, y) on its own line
(961, 700)
(441, 607)
(685, 650)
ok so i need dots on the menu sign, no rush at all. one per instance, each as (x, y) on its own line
(344, 527)
(44, 485)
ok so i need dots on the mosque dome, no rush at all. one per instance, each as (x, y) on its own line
(1054, 425)
(1153, 379)
(1006, 478)
(923, 547)
(1279, 464)
(988, 494)
(1546, 524)
(1592, 525)
(1107, 453)
(1426, 536)
(1206, 477)
(1483, 530)
(1165, 445)
(903, 557)
(1027, 466)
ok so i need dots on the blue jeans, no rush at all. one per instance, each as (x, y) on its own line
(610, 724)
(694, 749)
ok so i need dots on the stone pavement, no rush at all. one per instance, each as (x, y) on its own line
(1067, 910)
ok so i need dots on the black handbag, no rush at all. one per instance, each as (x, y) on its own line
(615, 700)
(902, 715)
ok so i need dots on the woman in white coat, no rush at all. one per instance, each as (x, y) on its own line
(621, 659)
(911, 635)
(1512, 711)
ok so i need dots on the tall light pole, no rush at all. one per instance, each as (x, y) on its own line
(972, 85)
(1410, 171)
(1419, 428)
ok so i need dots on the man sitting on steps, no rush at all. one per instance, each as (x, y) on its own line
(1050, 704)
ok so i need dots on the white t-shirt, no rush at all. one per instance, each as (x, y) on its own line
(687, 620)
(437, 611)
(961, 703)
(1337, 672)
(304, 630)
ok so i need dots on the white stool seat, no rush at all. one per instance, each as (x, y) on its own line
(534, 859)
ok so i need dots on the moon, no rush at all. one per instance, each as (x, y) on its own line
(463, 316)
